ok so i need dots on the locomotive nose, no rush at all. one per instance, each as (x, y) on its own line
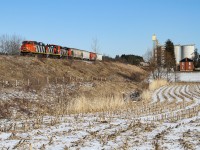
(25, 47)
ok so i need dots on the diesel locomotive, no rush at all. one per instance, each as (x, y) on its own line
(57, 51)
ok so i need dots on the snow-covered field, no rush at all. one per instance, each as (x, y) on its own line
(179, 76)
(189, 76)
(170, 121)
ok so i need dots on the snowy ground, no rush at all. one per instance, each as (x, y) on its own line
(189, 76)
(91, 132)
(170, 121)
(180, 77)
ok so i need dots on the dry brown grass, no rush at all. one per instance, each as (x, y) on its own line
(18, 68)
(146, 94)
(85, 105)
(157, 84)
(34, 74)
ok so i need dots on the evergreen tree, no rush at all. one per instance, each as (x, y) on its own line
(170, 61)
(131, 59)
(196, 58)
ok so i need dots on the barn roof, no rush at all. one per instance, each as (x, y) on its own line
(186, 60)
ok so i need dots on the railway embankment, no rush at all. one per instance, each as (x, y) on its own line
(43, 85)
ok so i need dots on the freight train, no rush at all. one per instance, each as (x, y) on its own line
(50, 50)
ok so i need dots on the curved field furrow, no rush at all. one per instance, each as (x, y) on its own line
(172, 93)
(179, 97)
(164, 97)
(169, 94)
(171, 121)
(181, 91)
(157, 95)
(194, 91)
(184, 134)
(190, 90)
(186, 95)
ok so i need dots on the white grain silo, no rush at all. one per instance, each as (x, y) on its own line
(188, 51)
(177, 52)
(154, 37)
(154, 45)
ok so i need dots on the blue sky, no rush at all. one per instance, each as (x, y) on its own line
(121, 26)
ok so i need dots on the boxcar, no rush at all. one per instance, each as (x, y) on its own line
(86, 55)
(76, 53)
(99, 57)
(93, 56)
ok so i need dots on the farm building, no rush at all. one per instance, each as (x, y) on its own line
(186, 64)
(180, 51)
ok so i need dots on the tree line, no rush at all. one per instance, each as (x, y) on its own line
(128, 59)
(10, 44)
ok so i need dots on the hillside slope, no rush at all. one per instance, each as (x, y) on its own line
(45, 83)
(18, 67)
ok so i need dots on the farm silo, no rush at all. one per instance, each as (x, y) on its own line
(188, 51)
(177, 52)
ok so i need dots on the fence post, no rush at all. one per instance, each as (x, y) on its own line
(16, 83)
(47, 80)
(3, 83)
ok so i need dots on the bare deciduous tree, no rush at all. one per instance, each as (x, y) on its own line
(148, 55)
(156, 69)
(10, 44)
(95, 45)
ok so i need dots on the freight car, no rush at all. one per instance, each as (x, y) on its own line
(99, 57)
(51, 50)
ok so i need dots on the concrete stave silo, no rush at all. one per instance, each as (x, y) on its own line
(187, 51)
(178, 53)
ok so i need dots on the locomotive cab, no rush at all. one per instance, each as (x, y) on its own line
(28, 47)
(32, 47)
